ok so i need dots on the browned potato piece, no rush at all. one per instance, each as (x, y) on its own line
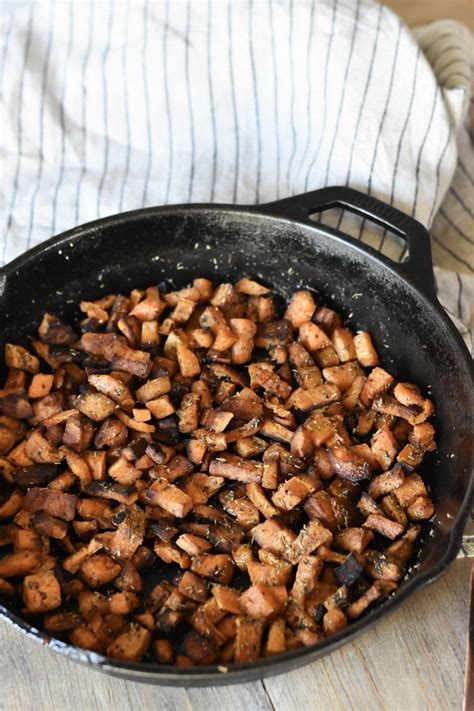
(192, 432)
(19, 563)
(95, 406)
(188, 362)
(98, 570)
(20, 358)
(131, 645)
(41, 592)
(248, 639)
(300, 309)
(54, 503)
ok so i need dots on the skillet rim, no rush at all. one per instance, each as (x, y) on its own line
(286, 661)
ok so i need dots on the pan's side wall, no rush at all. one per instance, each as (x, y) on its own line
(223, 244)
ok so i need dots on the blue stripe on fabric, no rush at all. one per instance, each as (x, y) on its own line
(85, 64)
(343, 92)
(39, 176)
(211, 101)
(147, 102)
(309, 90)
(187, 46)
(62, 120)
(128, 147)
(167, 104)
(291, 99)
(105, 55)
(257, 109)
(275, 101)
(325, 93)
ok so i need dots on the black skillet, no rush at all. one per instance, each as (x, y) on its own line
(395, 302)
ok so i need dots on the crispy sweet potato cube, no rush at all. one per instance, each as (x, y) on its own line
(193, 586)
(54, 503)
(248, 639)
(273, 536)
(188, 362)
(217, 567)
(313, 535)
(343, 343)
(276, 641)
(292, 492)
(353, 540)
(95, 405)
(227, 599)
(365, 351)
(161, 407)
(377, 383)
(99, 569)
(19, 563)
(412, 487)
(263, 601)
(169, 497)
(20, 358)
(300, 309)
(41, 592)
(40, 385)
(313, 337)
(421, 508)
(131, 644)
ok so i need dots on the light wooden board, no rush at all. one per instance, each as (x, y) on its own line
(420, 12)
(414, 660)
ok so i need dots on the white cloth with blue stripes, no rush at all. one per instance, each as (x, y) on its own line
(112, 105)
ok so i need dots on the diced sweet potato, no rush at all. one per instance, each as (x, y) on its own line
(276, 641)
(365, 351)
(343, 343)
(41, 592)
(216, 567)
(377, 383)
(263, 601)
(113, 388)
(412, 487)
(313, 535)
(313, 337)
(131, 645)
(421, 508)
(19, 563)
(98, 570)
(292, 492)
(169, 497)
(161, 407)
(227, 599)
(231, 467)
(188, 362)
(20, 358)
(129, 535)
(95, 405)
(300, 309)
(384, 447)
(248, 639)
(54, 503)
(382, 524)
(347, 464)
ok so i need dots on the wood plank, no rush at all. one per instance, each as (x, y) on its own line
(421, 12)
(412, 660)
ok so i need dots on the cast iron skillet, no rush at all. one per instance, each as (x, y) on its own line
(395, 302)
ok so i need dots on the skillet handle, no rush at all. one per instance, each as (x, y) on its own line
(418, 268)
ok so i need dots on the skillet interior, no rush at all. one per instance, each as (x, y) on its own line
(414, 338)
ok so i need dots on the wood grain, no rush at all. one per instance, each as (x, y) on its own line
(413, 660)
(421, 12)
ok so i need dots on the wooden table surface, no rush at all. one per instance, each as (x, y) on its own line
(414, 660)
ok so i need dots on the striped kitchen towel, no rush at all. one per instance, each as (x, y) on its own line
(115, 104)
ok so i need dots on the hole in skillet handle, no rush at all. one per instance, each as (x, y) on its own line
(417, 267)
